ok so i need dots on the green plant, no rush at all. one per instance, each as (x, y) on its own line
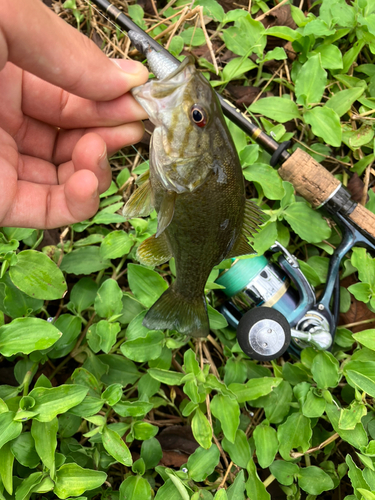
(90, 389)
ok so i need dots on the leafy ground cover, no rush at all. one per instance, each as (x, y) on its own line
(94, 405)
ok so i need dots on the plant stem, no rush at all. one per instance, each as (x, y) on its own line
(269, 480)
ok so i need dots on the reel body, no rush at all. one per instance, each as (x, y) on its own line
(270, 315)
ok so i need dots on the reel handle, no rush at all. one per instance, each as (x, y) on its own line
(320, 188)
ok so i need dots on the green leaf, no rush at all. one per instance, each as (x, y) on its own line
(325, 370)
(116, 447)
(341, 102)
(361, 136)
(239, 451)
(83, 294)
(330, 56)
(38, 276)
(144, 430)
(70, 326)
(23, 448)
(211, 8)
(121, 370)
(236, 68)
(108, 301)
(362, 261)
(51, 402)
(193, 36)
(267, 177)
(245, 37)
(45, 437)
(115, 245)
(355, 474)
(151, 453)
(284, 472)
(136, 13)
(166, 376)
(203, 462)
(255, 489)
(216, 319)
(27, 335)
(85, 260)
(144, 348)
(295, 432)
(313, 405)
(73, 480)
(227, 411)
(112, 394)
(361, 291)
(306, 222)
(276, 108)
(254, 388)
(366, 338)
(10, 429)
(132, 408)
(135, 487)
(27, 485)
(325, 123)
(201, 429)
(266, 444)
(283, 32)
(6, 467)
(356, 437)
(311, 82)
(314, 480)
(147, 285)
(351, 55)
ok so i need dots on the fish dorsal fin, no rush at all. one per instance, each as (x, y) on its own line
(154, 251)
(242, 247)
(166, 211)
(140, 203)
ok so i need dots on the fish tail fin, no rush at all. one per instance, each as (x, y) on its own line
(176, 312)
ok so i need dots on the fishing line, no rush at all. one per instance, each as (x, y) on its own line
(106, 18)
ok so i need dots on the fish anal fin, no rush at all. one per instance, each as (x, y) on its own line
(176, 312)
(139, 204)
(154, 251)
(166, 211)
(241, 247)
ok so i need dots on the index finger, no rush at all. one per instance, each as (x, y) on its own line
(38, 41)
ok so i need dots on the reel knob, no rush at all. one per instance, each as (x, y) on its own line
(263, 333)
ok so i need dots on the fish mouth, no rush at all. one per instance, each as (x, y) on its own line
(160, 96)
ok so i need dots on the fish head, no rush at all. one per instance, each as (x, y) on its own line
(189, 126)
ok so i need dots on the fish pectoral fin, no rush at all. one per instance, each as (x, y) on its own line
(166, 211)
(154, 251)
(242, 247)
(139, 204)
(143, 178)
(253, 218)
(187, 315)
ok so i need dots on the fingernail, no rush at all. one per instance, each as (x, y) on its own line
(130, 66)
(103, 159)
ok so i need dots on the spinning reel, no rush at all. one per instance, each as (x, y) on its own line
(270, 315)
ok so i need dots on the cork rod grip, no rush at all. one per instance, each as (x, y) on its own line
(316, 185)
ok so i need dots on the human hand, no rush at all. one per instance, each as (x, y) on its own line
(64, 106)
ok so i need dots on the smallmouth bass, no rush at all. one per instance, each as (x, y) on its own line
(196, 185)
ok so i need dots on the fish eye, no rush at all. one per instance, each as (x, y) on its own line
(198, 115)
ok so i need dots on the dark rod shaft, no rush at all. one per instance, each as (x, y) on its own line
(229, 111)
